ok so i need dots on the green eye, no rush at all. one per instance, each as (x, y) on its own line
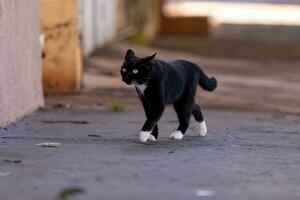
(135, 71)
(123, 70)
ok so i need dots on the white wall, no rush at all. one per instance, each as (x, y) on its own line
(97, 22)
(20, 59)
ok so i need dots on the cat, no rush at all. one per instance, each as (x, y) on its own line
(160, 83)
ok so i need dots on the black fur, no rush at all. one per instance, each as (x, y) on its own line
(172, 82)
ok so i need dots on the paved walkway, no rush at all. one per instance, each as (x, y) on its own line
(244, 156)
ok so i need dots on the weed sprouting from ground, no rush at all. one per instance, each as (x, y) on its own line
(66, 193)
(116, 106)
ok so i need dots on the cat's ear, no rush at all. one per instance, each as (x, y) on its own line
(149, 58)
(152, 57)
(129, 54)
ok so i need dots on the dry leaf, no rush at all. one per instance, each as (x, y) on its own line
(49, 144)
(5, 174)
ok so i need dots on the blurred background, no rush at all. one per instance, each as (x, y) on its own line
(251, 46)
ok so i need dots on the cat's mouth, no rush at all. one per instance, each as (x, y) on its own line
(134, 82)
(128, 82)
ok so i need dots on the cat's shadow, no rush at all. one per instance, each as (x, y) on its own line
(166, 145)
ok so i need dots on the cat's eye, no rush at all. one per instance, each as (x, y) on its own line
(135, 71)
(123, 70)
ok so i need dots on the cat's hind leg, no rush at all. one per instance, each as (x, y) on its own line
(201, 125)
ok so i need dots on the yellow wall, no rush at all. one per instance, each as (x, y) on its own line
(62, 60)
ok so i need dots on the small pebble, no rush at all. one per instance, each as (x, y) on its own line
(205, 193)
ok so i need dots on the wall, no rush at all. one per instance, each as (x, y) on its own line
(20, 71)
(103, 21)
(62, 67)
(140, 19)
(97, 23)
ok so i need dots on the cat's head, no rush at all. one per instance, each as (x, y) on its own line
(136, 70)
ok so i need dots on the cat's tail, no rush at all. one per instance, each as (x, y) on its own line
(209, 84)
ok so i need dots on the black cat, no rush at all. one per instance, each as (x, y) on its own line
(159, 83)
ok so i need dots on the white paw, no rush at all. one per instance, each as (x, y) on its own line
(152, 138)
(202, 129)
(144, 136)
(177, 135)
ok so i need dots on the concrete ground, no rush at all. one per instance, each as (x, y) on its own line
(244, 157)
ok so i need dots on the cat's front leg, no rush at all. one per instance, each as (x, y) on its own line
(154, 133)
(151, 123)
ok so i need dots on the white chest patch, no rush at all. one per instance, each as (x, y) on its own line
(141, 88)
